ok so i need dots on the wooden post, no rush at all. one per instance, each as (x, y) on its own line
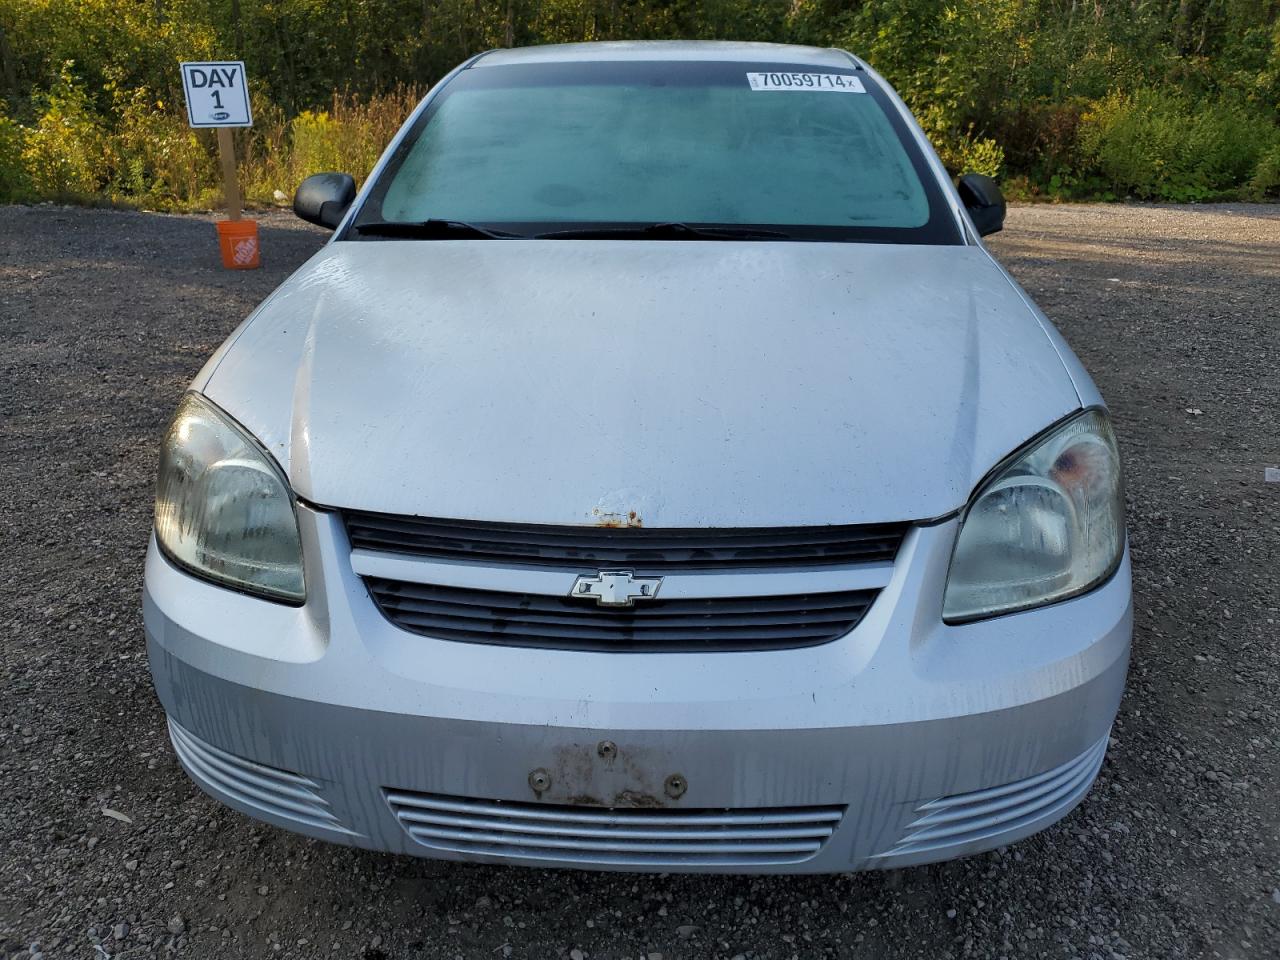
(230, 182)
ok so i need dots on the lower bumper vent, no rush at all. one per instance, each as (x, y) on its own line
(627, 837)
(966, 818)
(264, 791)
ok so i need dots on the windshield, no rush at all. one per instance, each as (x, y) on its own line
(532, 149)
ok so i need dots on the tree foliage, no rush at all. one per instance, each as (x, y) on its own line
(1176, 99)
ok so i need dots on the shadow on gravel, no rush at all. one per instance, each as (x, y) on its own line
(1237, 259)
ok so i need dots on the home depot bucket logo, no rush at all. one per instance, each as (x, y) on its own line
(238, 244)
(244, 250)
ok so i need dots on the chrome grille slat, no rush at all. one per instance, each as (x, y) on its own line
(582, 548)
(620, 835)
(1009, 813)
(615, 846)
(592, 815)
(1045, 791)
(244, 790)
(529, 828)
(248, 766)
(266, 790)
(972, 817)
(748, 623)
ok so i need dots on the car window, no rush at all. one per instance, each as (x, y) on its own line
(532, 147)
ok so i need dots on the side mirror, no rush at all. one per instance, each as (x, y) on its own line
(984, 201)
(323, 198)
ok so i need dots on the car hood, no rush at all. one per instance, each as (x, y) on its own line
(664, 383)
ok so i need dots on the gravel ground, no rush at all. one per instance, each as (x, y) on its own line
(106, 849)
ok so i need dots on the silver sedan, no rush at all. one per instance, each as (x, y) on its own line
(654, 472)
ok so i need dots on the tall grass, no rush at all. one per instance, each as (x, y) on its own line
(151, 158)
(348, 137)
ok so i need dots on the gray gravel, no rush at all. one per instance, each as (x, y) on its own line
(107, 850)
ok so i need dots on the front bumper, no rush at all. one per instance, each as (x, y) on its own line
(905, 741)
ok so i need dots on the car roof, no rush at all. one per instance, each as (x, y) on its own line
(690, 50)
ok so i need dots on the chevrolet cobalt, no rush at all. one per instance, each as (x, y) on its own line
(653, 472)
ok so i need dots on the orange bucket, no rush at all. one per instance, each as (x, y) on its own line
(238, 240)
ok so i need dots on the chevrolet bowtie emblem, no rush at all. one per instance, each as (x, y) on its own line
(616, 588)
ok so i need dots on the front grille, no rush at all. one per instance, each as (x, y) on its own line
(542, 620)
(649, 549)
(631, 837)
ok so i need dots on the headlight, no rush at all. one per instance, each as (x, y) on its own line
(1048, 525)
(223, 508)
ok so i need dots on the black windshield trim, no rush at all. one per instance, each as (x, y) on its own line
(432, 230)
(663, 230)
(941, 229)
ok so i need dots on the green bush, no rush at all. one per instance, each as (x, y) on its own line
(1265, 183)
(15, 185)
(1155, 144)
(972, 154)
(64, 151)
(157, 160)
(1041, 141)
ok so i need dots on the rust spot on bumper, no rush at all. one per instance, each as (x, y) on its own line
(624, 800)
(619, 776)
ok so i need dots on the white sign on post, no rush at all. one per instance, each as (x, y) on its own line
(217, 95)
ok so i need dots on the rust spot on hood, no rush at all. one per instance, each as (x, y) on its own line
(617, 520)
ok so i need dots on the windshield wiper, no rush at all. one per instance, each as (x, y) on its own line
(665, 231)
(433, 230)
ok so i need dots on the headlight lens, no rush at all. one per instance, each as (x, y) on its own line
(1047, 526)
(223, 508)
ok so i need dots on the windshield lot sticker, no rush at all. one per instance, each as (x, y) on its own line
(813, 82)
